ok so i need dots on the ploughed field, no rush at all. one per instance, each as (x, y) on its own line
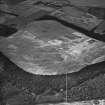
(49, 48)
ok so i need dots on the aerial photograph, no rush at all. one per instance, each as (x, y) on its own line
(52, 52)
